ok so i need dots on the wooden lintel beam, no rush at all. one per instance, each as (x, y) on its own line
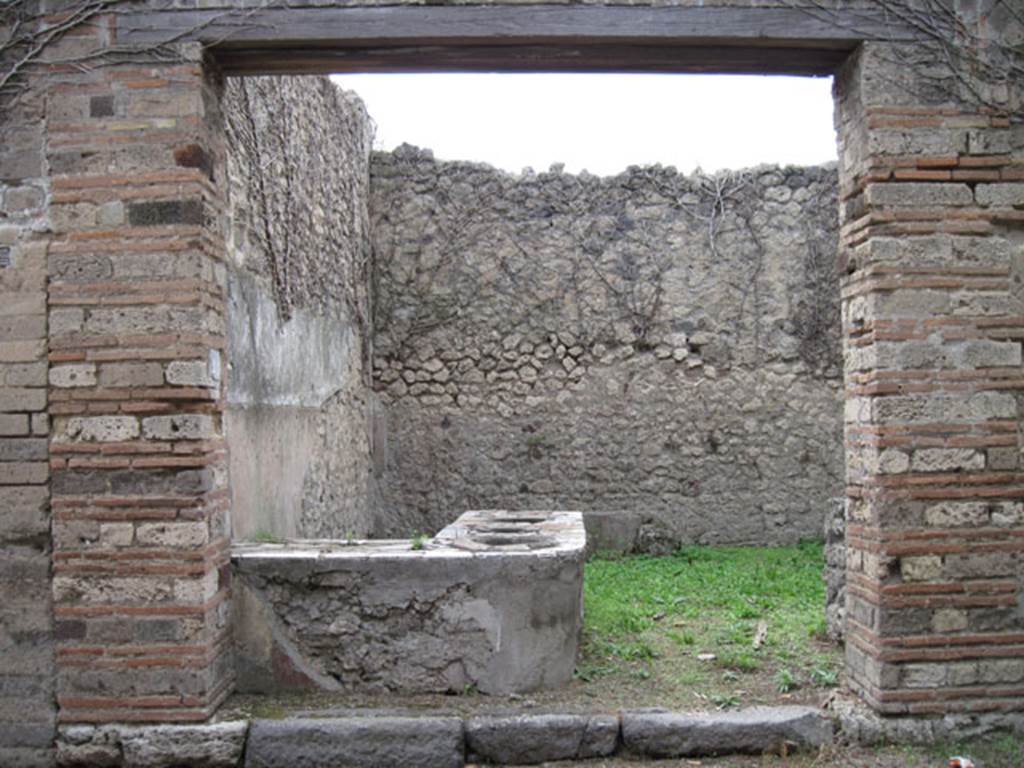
(531, 58)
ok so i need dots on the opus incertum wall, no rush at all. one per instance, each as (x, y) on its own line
(113, 326)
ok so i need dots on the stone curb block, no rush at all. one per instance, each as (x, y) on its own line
(752, 731)
(212, 745)
(218, 745)
(356, 742)
(529, 739)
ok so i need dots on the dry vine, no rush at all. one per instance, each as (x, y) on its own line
(975, 56)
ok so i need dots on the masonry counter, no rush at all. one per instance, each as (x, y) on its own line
(493, 601)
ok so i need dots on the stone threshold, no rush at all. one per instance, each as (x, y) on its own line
(374, 739)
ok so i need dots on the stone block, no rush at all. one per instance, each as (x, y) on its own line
(190, 373)
(101, 106)
(27, 757)
(177, 535)
(22, 327)
(981, 565)
(66, 320)
(74, 375)
(78, 481)
(131, 375)
(40, 423)
(947, 620)
(1001, 670)
(755, 731)
(165, 212)
(24, 511)
(23, 374)
(921, 568)
(947, 460)
(101, 429)
(13, 424)
(22, 351)
(529, 739)
(1006, 457)
(24, 449)
(979, 406)
(182, 426)
(988, 141)
(611, 531)
(1007, 513)
(24, 472)
(1001, 195)
(116, 534)
(923, 675)
(157, 482)
(22, 398)
(356, 742)
(918, 194)
(80, 268)
(955, 514)
(213, 745)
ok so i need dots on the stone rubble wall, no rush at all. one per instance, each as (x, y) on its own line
(27, 709)
(298, 400)
(648, 342)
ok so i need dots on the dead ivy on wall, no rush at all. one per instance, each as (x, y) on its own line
(299, 186)
(463, 252)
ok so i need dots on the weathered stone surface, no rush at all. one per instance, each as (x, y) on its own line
(516, 377)
(612, 531)
(835, 568)
(183, 426)
(299, 416)
(529, 739)
(756, 730)
(357, 742)
(102, 429)
(213, 745)
(218, 745)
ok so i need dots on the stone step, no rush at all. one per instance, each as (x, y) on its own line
(431, 741)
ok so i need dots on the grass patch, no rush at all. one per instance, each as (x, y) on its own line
(663, 618)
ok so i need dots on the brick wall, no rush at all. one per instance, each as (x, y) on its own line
(932, 307)
(138, 462)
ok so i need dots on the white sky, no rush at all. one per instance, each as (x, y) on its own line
(603, 123)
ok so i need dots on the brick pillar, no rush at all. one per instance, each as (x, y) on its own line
(933, 318)
(136, 301)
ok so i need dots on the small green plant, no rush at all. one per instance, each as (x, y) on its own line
(263, 536)
(725, 700)
(637, 650)
(824, 677)
(785, 680)
(682, 638)
(740, 660)
(419, 541)
(588, 672)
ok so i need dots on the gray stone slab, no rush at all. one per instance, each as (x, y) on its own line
(402, 742)
(217, 745)
(755, 730)
(26, 757)
(611, 531)
(529, 739)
